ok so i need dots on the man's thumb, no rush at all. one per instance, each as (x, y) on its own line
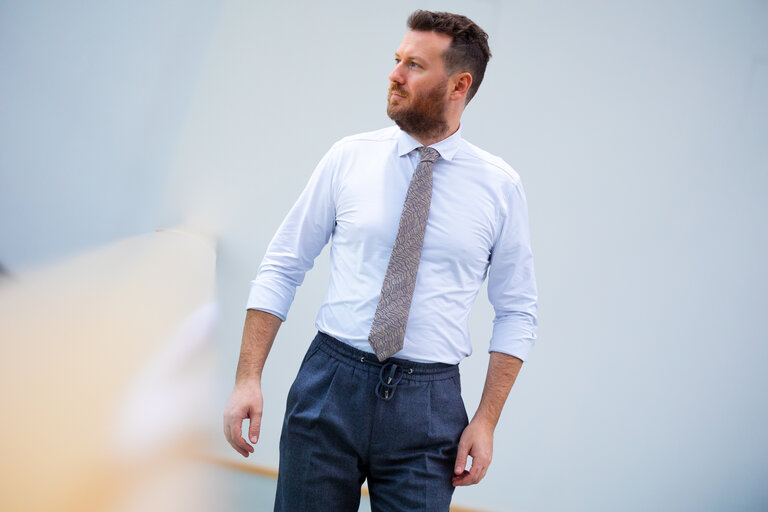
(254, 429)
(461, 460)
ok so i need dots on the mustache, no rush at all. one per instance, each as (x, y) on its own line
(396, 89)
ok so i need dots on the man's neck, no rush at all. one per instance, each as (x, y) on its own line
(429, 139)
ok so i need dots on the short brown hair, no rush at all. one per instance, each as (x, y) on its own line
(469, 46)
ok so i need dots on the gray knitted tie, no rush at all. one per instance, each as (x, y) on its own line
(388, 328)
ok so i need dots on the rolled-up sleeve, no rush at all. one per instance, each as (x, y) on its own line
(511, 280)
(300, 238)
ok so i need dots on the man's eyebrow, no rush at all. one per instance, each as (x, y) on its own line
(412, 58)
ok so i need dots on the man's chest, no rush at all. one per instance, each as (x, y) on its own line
(463, 219)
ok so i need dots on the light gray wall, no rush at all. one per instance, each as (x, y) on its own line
(639, 130)
(92, 98)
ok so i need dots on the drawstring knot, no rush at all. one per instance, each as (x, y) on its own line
(389, 378)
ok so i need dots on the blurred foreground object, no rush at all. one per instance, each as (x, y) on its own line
(106, 365)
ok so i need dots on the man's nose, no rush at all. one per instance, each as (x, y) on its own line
(397, 75)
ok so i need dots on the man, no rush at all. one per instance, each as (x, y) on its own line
(418, 218)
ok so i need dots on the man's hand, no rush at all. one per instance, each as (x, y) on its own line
(476, 441)
(245, 402)
(477, 438)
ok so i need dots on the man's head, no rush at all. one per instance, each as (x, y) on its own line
(468, 51)
(438, 68)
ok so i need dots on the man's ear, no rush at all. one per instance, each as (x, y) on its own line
(461, 84)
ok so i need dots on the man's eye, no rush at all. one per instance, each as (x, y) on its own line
(397, 61)
(414, 65)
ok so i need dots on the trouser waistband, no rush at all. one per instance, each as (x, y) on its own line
(368, 361)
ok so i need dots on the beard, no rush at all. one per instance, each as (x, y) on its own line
(425, 116)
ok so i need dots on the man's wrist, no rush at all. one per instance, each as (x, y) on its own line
(485, 421)
(248, 381)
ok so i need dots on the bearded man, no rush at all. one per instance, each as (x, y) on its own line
(418, 218)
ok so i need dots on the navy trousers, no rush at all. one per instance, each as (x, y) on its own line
(350, 418)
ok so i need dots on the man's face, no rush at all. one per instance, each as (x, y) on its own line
(418, 92)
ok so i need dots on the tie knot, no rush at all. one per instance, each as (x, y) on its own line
(429, 154)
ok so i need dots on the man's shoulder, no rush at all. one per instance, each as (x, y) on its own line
(488, 160)
(384, 135)
(367, 144)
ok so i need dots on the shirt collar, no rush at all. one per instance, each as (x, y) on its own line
(446, 147)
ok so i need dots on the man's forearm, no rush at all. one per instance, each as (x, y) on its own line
(502, 372)
(258, 335)
(477, 439)
(246, 399)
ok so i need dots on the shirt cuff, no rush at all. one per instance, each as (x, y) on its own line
(272, 299)
(508, 339)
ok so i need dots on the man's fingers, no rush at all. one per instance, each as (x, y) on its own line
(233, 432)
(232, 441)
(461, 459)
(468, 478)
(478, 469)
(239, 450)
(461, 479)
(228, 431)
(473, 476)
(476, 472)
(237, 435)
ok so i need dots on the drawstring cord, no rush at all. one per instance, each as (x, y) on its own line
(385, 388)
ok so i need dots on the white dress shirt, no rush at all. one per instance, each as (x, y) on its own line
(477, 226)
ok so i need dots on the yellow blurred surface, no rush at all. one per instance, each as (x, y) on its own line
(106, 364)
